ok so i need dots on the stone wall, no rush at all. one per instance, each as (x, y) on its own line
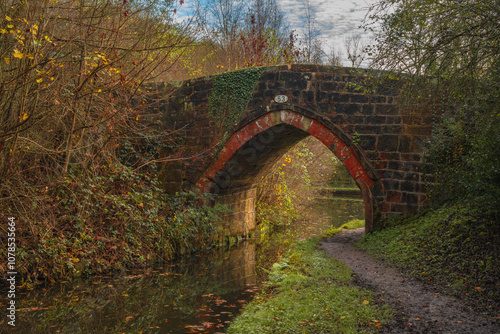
(354, 112)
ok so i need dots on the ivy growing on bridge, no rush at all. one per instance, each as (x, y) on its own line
(231, 93)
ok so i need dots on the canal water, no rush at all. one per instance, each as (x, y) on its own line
(201, 294)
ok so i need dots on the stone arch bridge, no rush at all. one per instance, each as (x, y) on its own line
(236, 125)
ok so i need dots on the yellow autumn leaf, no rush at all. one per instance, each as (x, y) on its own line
(3, 31)
(8, 18)
(35, 27)
(39, 80)
(7, 60)
(18, 54)
(366, 302)
(76, 259)
(47, 38)
(25, 116)
(30, 56)
(10, 26)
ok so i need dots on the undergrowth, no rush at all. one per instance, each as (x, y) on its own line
(309, 292)
(455, 246)
(114, 218)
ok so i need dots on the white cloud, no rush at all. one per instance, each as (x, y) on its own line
(336, 19)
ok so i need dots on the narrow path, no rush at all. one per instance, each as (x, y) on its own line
(421, 308)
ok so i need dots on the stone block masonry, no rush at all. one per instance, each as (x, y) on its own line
(354, 112)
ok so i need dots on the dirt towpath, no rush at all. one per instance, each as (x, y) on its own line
(421, 308)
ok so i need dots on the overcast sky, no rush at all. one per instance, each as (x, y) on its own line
(335, 19)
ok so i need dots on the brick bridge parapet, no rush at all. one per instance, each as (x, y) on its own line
(354, 112)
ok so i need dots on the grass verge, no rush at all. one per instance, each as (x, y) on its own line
(309, 292)
(351, 225)
(455, 246)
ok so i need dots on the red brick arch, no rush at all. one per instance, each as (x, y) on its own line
(351, 156)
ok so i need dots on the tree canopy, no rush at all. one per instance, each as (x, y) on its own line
(450, 51)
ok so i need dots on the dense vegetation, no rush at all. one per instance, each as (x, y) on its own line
(77, 167)
(450, 51)
(455, 246)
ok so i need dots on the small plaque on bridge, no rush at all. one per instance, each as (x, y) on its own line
(281, 98)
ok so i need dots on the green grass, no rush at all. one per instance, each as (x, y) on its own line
(351, 225)
(309, 292)
(456, 246)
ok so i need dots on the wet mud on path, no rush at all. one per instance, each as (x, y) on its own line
(421, 308)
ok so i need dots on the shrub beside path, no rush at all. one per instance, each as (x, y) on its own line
(421, 308)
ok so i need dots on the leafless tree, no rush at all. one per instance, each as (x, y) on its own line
(311, 33)
(334, 56)
(355, 50)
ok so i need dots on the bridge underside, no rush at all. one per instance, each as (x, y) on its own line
(236, 184)
(252, 150)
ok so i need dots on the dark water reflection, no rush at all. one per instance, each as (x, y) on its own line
(200, 294)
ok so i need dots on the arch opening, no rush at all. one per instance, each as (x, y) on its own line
(253, 149)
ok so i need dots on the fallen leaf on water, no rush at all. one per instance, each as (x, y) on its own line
(207, 325)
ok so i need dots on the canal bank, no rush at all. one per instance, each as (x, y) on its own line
(201, 293)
